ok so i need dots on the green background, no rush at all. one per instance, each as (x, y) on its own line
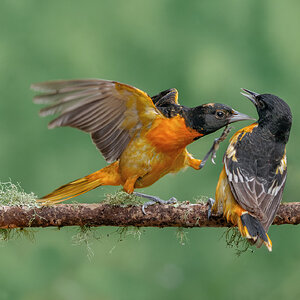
(208, 50)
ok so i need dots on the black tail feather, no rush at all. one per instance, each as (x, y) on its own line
(254, 227)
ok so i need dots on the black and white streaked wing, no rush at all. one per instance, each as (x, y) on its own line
(259, 196)
(110, 111)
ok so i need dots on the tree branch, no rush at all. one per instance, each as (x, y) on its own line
(182, 215)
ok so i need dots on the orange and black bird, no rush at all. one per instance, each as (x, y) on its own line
(143, 138)
(251, 183)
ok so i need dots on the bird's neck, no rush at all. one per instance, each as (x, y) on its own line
(194, 119)
(279, 130)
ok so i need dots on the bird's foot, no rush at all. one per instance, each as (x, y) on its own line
(210, 203)
(213, 150)
(153, 200)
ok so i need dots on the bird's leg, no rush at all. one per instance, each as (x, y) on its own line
(153, 200)
(210, 203)
(213, 150)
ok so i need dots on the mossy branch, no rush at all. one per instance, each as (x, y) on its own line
(20, 210)
(103, 214)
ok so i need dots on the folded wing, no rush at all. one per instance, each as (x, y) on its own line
(261, 197)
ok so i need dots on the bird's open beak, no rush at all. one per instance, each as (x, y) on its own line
(250, 95)
(237, 116)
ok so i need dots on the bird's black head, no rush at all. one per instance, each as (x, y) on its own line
(274, 114)
(208, 118)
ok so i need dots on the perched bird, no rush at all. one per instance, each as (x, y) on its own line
(143, 138)
(251, 183)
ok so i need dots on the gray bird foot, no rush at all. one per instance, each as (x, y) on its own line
(213, 150)
(210, 203)
(153, 200)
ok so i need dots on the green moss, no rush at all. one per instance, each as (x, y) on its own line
(13, 195)
(125, 232)
(7, 234)
(181, 235)
(201, 199)
(121, 198)
(234, 240)
(85, 236)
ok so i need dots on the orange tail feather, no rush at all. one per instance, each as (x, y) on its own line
(106, 176)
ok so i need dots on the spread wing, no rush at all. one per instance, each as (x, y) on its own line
(110, 111)
(257, 183)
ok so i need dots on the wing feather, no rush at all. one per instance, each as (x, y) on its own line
(259, 195)
(110, 111)
(166, 98)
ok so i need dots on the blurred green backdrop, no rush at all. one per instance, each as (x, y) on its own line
(208, 50)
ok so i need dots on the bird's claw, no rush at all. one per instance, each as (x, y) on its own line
(213, 156)
(224, 134)
(153, 200)
(210, 203)
(213, 150)
(145, 205)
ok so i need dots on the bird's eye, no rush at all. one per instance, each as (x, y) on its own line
(220, 114)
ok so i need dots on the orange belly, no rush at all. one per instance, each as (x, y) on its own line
(143, 159)
(157, 151)
(226, 203)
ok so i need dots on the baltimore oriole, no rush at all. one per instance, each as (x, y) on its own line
(251, 183)
(143, 142)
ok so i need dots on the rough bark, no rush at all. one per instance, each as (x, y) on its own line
(183, 215)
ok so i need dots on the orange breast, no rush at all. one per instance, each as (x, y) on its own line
(168, 135)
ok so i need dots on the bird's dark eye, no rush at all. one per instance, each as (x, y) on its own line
(220, 114)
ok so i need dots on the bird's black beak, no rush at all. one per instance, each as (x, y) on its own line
(237, 116)
(250, 95)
